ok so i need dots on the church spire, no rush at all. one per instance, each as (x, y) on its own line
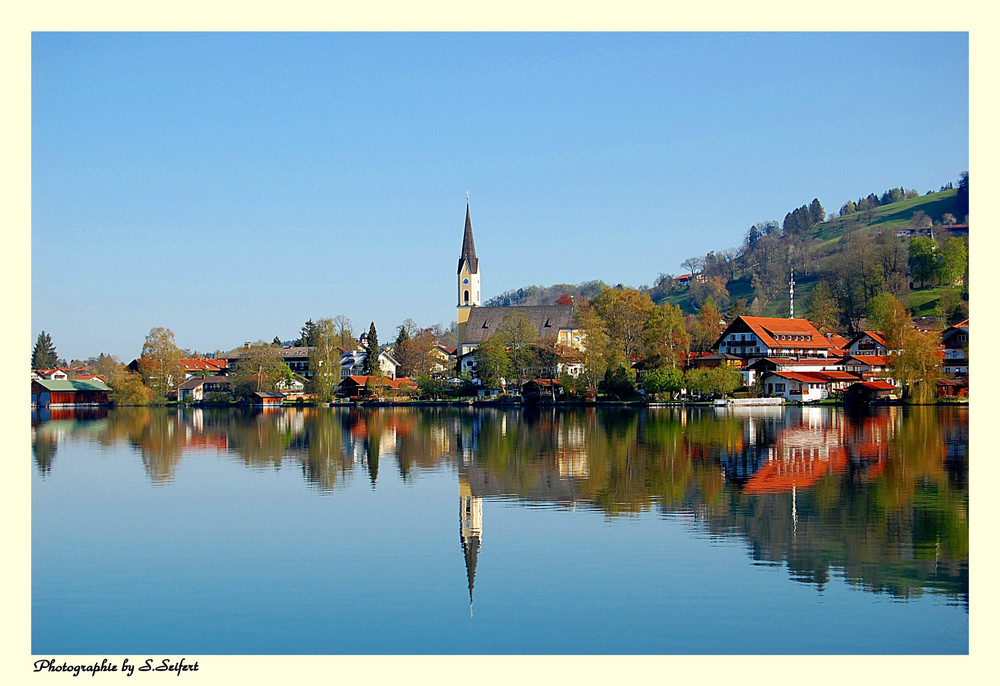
(468, 245)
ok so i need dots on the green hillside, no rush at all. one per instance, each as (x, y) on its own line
(754, 277)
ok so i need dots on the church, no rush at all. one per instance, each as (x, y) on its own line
(477, 323)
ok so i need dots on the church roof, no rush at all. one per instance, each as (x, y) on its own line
(468, 247)
(547, 319)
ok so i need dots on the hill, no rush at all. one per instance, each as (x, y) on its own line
(859, 252)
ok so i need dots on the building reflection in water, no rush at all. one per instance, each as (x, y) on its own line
(882, 495)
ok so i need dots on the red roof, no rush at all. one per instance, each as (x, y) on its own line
(190, 364)
(878, 385)
(817, 377)
(777, 332)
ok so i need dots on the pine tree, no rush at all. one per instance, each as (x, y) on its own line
(307, 336)
(44, 356)
(371, 367)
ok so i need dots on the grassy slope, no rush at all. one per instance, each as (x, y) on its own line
(827, 243)
(827, 237)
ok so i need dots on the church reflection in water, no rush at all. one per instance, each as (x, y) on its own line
(880, 496)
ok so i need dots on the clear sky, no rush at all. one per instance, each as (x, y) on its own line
(230, 186)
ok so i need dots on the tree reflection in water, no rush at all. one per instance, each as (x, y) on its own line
(880, 498)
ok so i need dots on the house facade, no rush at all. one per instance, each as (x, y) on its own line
(868, 343)
(754, 337)
(956, 349)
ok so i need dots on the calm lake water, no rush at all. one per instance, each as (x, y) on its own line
(455, 531)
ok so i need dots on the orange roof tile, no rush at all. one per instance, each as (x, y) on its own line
(777, 332)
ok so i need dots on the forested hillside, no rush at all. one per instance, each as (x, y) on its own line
(912, 246)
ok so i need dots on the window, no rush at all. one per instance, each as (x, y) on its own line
(466, 298)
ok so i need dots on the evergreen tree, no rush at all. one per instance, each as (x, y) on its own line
(371, 367)
(307, 336)
(816, 212)
(44, 356)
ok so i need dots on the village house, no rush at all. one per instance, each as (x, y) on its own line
(352, 363)
(806, 386)
(868, 343)
(754, 337)
(955, 340)
(196, 388)
(869, 367)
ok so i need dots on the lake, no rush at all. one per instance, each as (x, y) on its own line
(801, 530)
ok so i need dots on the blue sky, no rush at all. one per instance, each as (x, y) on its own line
(231, 186)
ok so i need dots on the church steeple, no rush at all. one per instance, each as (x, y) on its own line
(470, 517)
(468, 272)
(468, 255)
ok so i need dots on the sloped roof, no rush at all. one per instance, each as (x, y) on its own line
(468, 246)
(199, 380)
(816, 377)
(208, 364)
(876, 336)
(71, 385)
(877, 385)
(871, 360)
(773, 330)
(547, 319)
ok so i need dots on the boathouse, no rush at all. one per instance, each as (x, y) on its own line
(56, 393)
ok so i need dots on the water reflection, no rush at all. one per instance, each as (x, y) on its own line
(878, 498)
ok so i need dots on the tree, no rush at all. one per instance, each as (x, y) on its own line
(923, 259)
(564, 299)
(816, 212)
(517, 334)
(306, 335)
(693, 265)
(962, 197)
(712, 287)
(892, 257)
(160, 363)
(597, 346)
(954, 260)
(663, 380)
(371, 367)
(666, 339)
(405, 331)
(822, 308)
(619, 382)
(44, 356)
(324, 360)
(917, 366)
(416, 355)
(920, 220)
(345, 332)
(886, 314)
(705, 328)
(492, 362)
(276, 341)
(126, 387)
(724, 380)
(260, 368)
(624, 313)
(948, 219)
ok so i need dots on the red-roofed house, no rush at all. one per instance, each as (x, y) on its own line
(956, 348)
(773, 337)
(868, 343)
(806, 386)
(869, 367)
